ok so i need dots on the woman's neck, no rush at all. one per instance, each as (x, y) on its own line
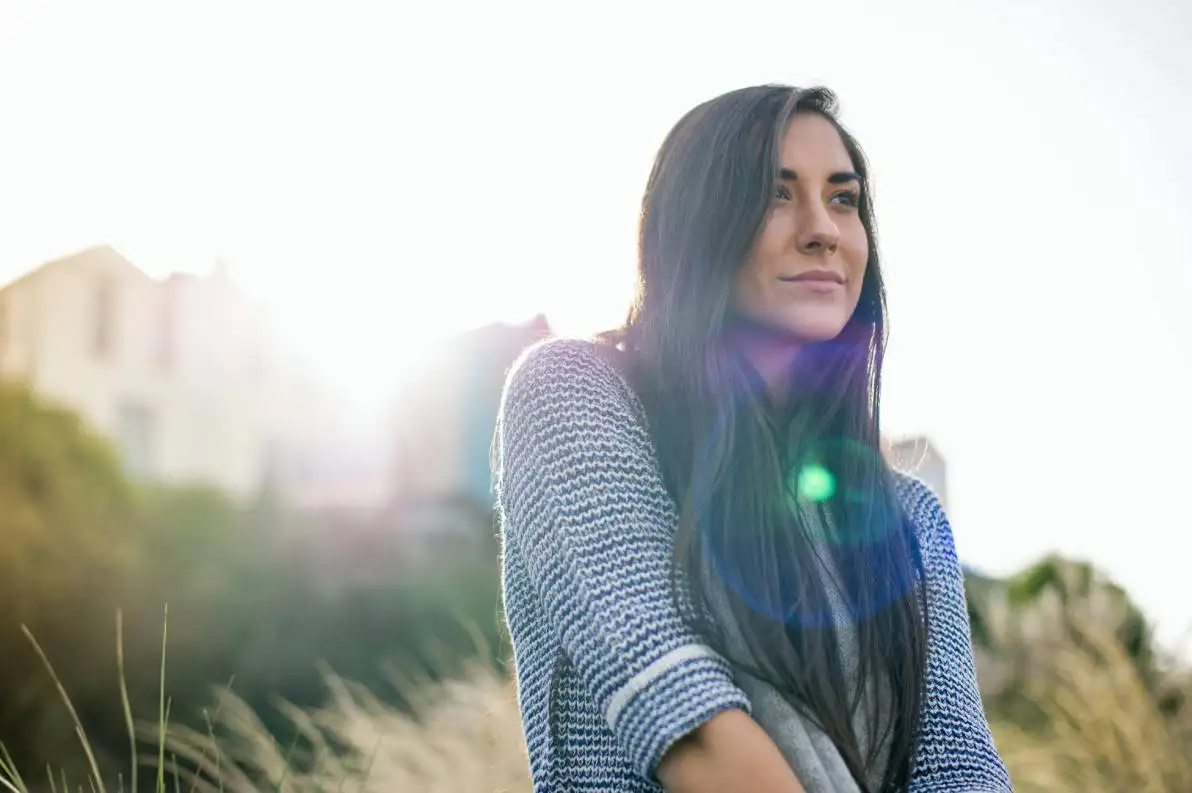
(771, 353)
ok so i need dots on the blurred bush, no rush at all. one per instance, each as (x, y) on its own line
(257, 595)
(1080, 696)
(1019, 625)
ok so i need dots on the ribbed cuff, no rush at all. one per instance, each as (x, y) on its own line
(669, 699)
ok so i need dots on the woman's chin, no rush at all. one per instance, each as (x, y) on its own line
(807, 330)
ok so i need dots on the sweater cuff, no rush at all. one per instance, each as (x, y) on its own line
(669, 699)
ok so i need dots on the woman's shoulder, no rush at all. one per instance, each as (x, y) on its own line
(563, 372)
(918, 500)
(567, 407)
(925, 510)
(566, 357)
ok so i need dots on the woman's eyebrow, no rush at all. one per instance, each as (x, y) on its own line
(840, 177)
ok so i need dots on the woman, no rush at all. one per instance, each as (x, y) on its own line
(713, 580)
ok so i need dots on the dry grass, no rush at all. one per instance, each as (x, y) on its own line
(1105, 732)
(1099, 726)
(464, 737)
(1102, 729)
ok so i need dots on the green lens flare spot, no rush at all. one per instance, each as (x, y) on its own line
(815, 483)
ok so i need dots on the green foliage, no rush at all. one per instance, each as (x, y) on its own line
(1075, 582)
(1045, 609)
(978, 589)
(64, 511)
(255, 594)
(62, 498)
(1068, 583)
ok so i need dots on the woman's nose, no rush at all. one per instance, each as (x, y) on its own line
(818, 234)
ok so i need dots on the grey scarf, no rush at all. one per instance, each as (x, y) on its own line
(816, 761)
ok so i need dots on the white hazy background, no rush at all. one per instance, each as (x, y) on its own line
(387, 173)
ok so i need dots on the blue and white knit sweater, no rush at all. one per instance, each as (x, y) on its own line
(609, 675)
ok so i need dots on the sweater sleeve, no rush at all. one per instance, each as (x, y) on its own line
(584, 506)
(956, 752)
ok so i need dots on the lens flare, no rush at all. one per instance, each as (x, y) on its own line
(815, 483)
(838, 515)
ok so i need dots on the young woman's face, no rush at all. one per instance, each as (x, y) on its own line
(803, 276)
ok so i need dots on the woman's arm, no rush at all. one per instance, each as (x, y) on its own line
(584, 506)
(956, 752)
(730, 753)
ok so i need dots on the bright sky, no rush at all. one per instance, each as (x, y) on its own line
(384, 176)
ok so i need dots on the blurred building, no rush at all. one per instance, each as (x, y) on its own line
(447, 415)
(181, 373)
(918, 457)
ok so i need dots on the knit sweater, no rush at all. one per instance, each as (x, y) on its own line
(609, 673)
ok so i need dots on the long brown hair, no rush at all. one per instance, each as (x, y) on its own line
(755, 484)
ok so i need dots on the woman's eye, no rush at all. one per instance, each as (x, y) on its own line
(783, 193)
(848, 198)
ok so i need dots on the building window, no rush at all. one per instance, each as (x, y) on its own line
(105, 318)
(135, 437)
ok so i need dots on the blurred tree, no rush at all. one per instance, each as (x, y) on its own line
(1019, 620)
(255, 592)
(1073, 581)
(65, 508)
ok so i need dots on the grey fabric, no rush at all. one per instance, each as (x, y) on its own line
(816, 761)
